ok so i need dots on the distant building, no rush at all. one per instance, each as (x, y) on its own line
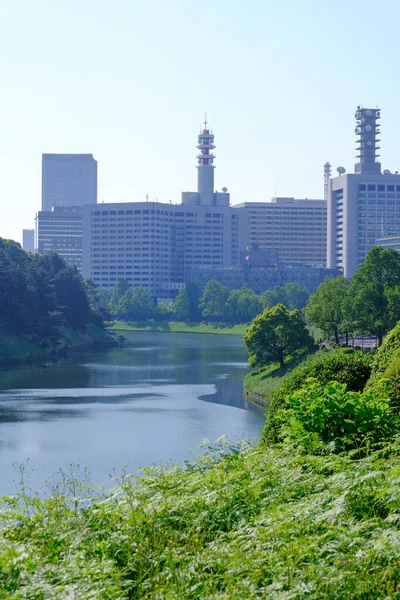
(68, 180)
(28, 240)
(153, 245)
(296, 229)
(363, 206)
(392, 242)
(60, 230)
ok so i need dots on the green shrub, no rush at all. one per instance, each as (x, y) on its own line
(353, 369)
(392, 375)
(389, 349)
(330, 417)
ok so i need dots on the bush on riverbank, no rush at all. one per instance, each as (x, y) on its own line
(257, 523)
(351, 368)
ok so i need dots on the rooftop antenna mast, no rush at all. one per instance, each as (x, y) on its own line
(327, 176)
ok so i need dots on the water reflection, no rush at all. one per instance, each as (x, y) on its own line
(151, 400)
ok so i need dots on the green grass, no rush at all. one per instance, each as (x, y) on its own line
(179, 327)
(17, 349)
(261, 523)
(265, 380)
(13, 348)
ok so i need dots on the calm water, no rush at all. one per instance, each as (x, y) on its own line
(151, 401)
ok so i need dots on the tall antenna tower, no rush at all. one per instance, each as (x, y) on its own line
(327, 176)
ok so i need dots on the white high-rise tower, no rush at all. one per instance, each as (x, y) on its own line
(205, 167)
(205, 195)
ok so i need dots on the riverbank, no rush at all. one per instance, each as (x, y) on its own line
(15, 350)
(260, 384)
(178, 327)
(260, 523)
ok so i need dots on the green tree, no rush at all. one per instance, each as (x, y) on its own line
(296, 294)
(243, 305)
(181, 306)
(194, 294)
(135, 304)
(162, 312)
(119, 289)
(275, 296)
(373, 292)
(276, 334)
(213, 300)
(327, 307)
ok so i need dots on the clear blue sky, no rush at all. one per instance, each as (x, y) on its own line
(129, 81)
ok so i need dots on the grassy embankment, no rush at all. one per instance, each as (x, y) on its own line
(262, 523)
(178, 327)
(18, 349)
(264, 381)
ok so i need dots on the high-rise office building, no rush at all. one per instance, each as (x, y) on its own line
(68, 180)
(156, 245)
(362, 206)
(28, 240)
(296, 229)
(60, 230)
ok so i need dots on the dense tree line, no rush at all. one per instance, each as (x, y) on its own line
(368, 303)
(39, 293)
(216, 303)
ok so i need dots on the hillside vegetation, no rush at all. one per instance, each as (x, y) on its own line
(257, 523)
(44, 306)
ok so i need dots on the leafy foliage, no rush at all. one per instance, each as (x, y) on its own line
(373, 292)
(327, 306)
(38, 294)
(276, 334)
(243, 305)
(181, 306)
(292, 295)
(389, 349)
(386, 365)
(213, 300)
(353, 369)
(331, 418)
(238, 523)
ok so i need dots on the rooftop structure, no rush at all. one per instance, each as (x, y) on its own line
(362, 206)
(205, 195)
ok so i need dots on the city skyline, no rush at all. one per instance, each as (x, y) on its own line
(132, 89)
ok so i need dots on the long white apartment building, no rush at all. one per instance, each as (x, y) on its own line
(295, 228)
(153, 245)
(363, 206)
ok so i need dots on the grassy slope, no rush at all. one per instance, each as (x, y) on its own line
(265, 380)
(262, 524)
(19, 350)
(12, 348)
(178, 327)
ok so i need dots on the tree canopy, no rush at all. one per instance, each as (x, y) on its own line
(39, 293)
(328, 307)
(375, 292)
(276, 334)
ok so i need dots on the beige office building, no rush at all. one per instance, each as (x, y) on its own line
(295, 228)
